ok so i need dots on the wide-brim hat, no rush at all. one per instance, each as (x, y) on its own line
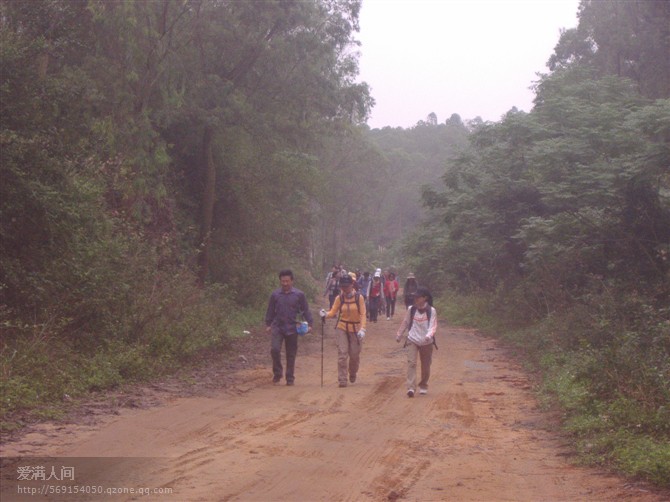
(411, 276)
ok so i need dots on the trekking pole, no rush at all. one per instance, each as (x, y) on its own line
(323, 323)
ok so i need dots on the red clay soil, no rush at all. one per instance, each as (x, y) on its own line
(227, 433)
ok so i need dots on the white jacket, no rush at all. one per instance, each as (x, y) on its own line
(422, 332)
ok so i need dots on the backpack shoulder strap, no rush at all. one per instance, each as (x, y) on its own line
(412, 311)
(357, 295)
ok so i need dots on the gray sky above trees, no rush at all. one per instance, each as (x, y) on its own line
(471, 57)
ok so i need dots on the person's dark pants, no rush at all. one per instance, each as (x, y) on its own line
(374, 307)
(390, 306)
(331, 300)
(291, 342)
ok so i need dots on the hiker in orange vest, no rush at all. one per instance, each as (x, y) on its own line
(390, 293)
(350, 307)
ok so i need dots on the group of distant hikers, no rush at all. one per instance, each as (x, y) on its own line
(354, 299)
(379, 290)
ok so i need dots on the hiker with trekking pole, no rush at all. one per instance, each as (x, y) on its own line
(349, 307)
(287, 317)
(421, 324)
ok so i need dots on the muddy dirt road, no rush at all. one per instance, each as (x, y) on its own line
(477, 436)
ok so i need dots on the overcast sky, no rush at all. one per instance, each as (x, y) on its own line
(471, 57)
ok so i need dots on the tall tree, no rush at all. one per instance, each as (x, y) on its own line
(278, 73)
(628, 39)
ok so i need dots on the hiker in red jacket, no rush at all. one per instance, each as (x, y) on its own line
(375, 296)
(390, 293)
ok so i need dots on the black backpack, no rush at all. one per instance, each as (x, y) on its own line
(333, 287)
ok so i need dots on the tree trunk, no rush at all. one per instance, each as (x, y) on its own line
(207, 213)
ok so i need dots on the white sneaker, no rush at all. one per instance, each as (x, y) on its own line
(410, 393)
(423, 391)
(388, 318)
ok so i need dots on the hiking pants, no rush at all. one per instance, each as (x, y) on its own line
(375, 301)
(390, 306)
(425, 353)
(348, 347)
(291, 342)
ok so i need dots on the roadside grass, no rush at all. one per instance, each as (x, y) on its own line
(144, 331)
(610, 382)
(42, 375)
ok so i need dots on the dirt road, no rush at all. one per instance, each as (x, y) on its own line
(478, 435)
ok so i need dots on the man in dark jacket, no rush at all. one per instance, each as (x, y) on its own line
(286, 305)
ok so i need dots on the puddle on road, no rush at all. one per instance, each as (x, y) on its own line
(476, 365)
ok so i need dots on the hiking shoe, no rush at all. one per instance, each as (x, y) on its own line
(289, 382)
(423, 391)
(410, 393)
(352, 378)
(388, 318)
(276, 379)
(343, 384)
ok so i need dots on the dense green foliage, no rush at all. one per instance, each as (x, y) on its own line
(554, 228)
(160, 162)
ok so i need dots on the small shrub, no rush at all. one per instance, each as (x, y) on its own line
(643, 457)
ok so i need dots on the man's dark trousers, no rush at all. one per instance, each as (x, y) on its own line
(291, 344)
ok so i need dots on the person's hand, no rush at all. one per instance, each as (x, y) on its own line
(397, 338)
(268, 329)
(323, 313)
(309, 329)
(429, 338)
(361, 334)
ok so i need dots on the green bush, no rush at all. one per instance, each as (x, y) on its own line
(178, 322)
(635, 455)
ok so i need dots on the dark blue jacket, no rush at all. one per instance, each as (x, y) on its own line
(283, 310)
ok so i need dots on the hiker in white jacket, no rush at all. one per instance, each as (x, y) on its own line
(421, 324)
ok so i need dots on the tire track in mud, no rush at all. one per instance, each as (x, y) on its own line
(382, 392)
(257, 437)
(457, 406)
(404, 465)
(422, 440)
